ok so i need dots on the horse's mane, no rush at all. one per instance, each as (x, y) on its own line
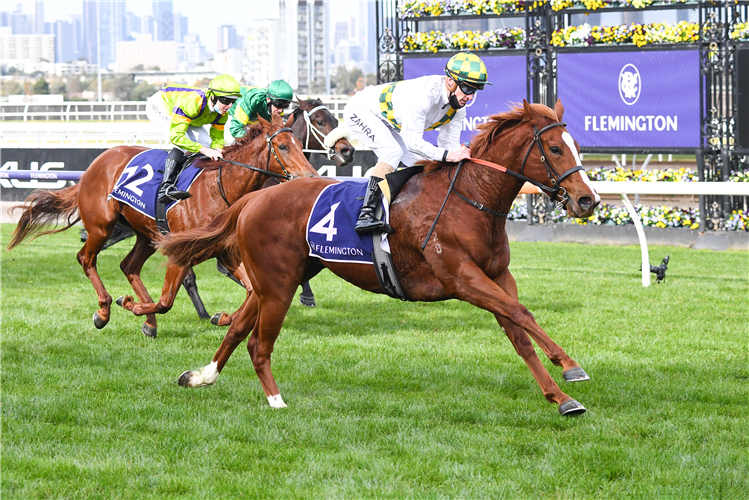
(495, 126)
(229, 151)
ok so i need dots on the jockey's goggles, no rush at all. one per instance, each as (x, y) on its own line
(226, 99)
(280, 103)
(467, 89)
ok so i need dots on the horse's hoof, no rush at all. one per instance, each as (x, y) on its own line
(120, 300)
(184, 379)
(571, 408)
(98, 322)
(575, 374)
(308, 301)
(148, 330)
(215, 318)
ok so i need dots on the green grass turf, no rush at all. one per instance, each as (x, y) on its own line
(386, 399)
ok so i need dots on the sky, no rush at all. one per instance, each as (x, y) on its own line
(204, 17)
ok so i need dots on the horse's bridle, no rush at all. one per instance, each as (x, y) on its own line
(555, 178)
(552, 192)
(311, 129)
(268, 138)
(271, 149)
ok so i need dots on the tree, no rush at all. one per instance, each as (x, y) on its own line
(123, 87)
(142, 92)
(11, 87)
(344, 80)
(57, 86)
(41, 86)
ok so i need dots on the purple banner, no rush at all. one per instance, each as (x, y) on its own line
(648, 99)
(507, 73)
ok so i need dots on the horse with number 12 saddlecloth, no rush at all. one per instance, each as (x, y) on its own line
(465, 255)
(268, 149)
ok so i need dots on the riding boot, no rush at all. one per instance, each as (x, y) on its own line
(168, 190)
(367, 221)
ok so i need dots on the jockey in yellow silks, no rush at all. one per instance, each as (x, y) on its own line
(186, 110)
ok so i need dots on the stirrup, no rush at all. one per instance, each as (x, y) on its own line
(171, 193)
(370, 225)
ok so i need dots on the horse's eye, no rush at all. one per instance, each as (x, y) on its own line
(283, 147)
(320, 123)
(556, 150)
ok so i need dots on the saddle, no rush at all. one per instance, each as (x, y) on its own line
(383, 261)
(161, 222)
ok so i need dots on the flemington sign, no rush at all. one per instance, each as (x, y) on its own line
(634, 99)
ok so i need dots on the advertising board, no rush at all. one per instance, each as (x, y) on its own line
(631, 99)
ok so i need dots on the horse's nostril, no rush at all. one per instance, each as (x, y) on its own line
(346, 151)
(585, 202)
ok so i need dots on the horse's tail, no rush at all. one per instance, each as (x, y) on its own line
(42, 208)
(219, 236)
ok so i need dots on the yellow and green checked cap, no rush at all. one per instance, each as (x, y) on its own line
(467, 67)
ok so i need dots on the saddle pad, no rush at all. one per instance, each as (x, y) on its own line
(140, 181)
(330, 227)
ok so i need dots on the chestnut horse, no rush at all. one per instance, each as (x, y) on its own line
(269, 148)
(466, 257)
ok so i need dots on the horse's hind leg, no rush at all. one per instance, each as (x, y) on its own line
(270, 320)
(243, 324)
(571, 370)
(131, 266)
(87, 256)
(240, 276)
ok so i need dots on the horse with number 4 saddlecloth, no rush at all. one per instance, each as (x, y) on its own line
(461, 254)
(269, 149)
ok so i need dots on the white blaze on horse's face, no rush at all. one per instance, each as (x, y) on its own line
(570, 142)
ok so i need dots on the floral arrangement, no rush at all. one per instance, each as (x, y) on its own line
(503, 38)
(638, 34)
(434, 8)
(740, 32)
(613, 215)
(738, 176)
(618, 174)
(602, 4)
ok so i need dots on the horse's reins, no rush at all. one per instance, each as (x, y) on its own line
(286, 175)
(552, 192)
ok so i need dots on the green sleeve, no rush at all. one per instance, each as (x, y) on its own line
(178, 137)
(217, 134)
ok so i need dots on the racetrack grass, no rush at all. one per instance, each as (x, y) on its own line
(386, 399)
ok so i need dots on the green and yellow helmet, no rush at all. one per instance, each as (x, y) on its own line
(467, 67)
(225, 86)
(280, 92)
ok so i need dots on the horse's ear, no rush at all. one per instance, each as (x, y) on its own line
(265, 124)
(534, 115)
(559, 109)
(290, 121)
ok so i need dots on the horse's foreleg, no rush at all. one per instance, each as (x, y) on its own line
(473, 286)
(572, 372)
(97, 237)
(131, 267)
(221, 318)
(241, 327)
(172, 282)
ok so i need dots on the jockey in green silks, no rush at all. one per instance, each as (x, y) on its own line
(186, 110)
(256, 102)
